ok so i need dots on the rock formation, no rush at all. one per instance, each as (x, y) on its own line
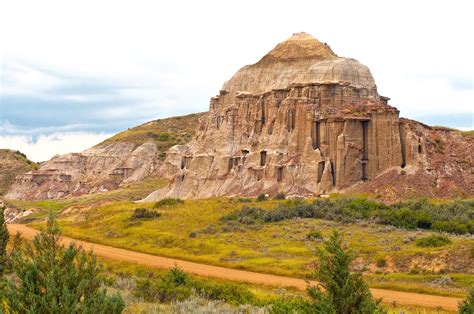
(127, 157)
(301, 121)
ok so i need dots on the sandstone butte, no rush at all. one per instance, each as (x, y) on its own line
(302, 121)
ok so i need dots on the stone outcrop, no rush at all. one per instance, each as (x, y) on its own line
(97, 169)
(438, 162)
(301, 121)
(128, 157)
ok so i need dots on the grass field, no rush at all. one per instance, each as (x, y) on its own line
(124, 275)
(193, 231)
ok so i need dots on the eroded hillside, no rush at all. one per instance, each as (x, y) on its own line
(127, 157)
(12, 164)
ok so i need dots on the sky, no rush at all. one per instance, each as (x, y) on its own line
(73, 73)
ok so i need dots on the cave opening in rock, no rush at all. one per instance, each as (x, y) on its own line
(333, 174)
(320, 170)
(263, 158)
(365, 150)
(403, 146)
(279, 173)
(316, 134)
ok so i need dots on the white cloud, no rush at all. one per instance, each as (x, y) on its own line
(46, 146)
(150, 59)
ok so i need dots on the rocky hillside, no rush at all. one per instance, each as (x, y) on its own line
(439, 163)
(12, 164)
(127, 157)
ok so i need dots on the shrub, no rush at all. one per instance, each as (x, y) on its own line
(453, 217)
(381, 262)
(50, 278)
(339, 290)
(467, 306)
(279, 196)
(176, 285)
(168, 202)
(143, 213)
(451, 227)
(262, 197)
(172, 286)
(433, 241)
(314, 235)
(228, 292)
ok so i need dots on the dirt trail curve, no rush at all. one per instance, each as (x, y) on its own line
(389, 296)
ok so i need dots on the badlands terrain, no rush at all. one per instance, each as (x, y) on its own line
(292, 147)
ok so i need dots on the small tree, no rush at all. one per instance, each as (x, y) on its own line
(467, 307)
(53, 279)
(339, 291)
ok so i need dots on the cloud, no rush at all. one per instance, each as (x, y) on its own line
(44, 147)
(59, 74)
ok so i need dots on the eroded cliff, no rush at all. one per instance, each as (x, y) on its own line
(301, 121)
(127, 157)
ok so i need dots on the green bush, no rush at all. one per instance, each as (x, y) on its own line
(467, 306)
(173, 286)
(381, 262)
(279, 196)
(433, 241)
(262, 197)
(168, 202)
(454, 217)
(51, 278)
(313, 235)
(176, 285)
(228, 292)
(143, 213)
(451, 227)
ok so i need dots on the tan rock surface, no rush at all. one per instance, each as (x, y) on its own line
(301, 121)
(127, 157)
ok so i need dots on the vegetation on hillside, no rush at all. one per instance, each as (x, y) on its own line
(165, 133)
(453, 217)
(194, 230)
(13, 163)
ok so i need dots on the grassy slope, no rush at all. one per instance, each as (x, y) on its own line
(280, 248)
(165, 133)
(12, 163)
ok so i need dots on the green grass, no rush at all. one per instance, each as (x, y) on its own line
(165, 133)
(279, 248)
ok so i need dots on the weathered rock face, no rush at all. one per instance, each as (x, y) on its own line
(95, 170)
(127, 157)
(439, 162)
(12, 163)
(301, 120)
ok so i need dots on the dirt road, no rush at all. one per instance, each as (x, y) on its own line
(389, 296)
